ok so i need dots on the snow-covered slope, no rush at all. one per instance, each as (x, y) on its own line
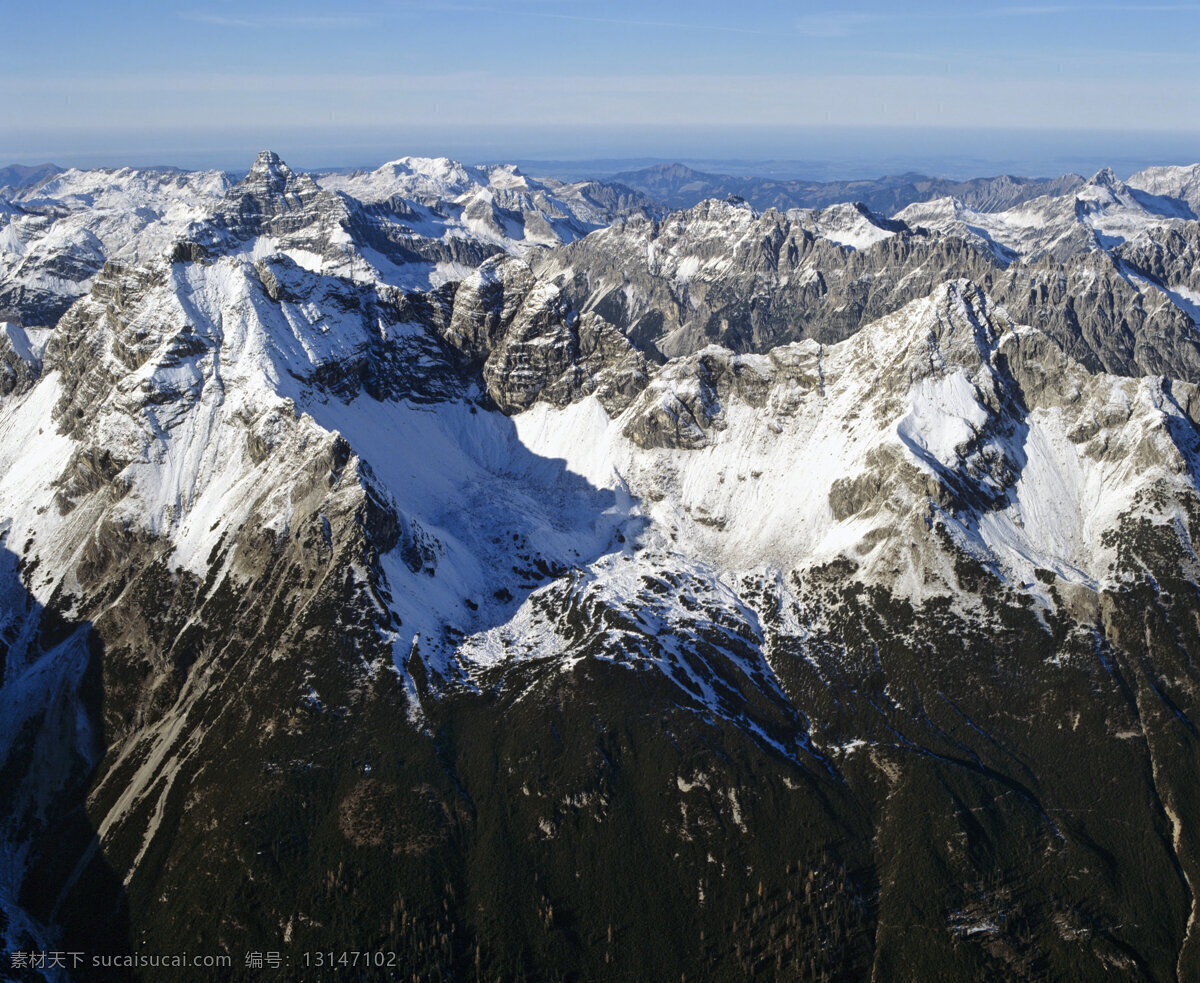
(235, 402)
(1181, 183)
(944, 411)
(55, 236)
(247, 376)
(1100, 214)
(414, 223)
(441, 199)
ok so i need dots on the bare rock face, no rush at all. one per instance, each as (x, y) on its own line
(273, 200)
(485, 305)
(686, 398)
(532, 345)
(1171, 259)
(719, 273)
(20, 357)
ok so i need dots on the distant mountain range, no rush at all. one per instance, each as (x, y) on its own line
(678, 186)
(14, 177)
(675, 185)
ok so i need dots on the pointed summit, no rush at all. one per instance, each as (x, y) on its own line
(268, 160)
(1106, 177)
(274, 200)
(269, 169)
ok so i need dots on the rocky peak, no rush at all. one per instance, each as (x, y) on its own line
(270, 170)
(275, 201)
(1106, 177)
(269, 178)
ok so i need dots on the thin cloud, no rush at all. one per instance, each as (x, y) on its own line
(833, 25)
(534, 9)
(1041, 10)
(216, 19)
(840, 24)
(292, 20)
(1031, 11)
(673, 25)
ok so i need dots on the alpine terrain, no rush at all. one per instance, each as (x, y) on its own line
(509, 579)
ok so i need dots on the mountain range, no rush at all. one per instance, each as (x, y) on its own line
(679, 186)
(654, 578)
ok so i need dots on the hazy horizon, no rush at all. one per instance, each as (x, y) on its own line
(1036, 89)
(823, 154)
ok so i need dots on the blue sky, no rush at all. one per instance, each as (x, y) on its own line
(177, 82)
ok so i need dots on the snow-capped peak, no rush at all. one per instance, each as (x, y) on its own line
(269, 166)
(1106, 177)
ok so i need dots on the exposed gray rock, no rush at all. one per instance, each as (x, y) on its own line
(718, 273)
(20, 357)
(533, 345)
(1171, 258)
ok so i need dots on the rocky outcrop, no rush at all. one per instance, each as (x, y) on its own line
(532, 345)
(1171, 259)
(20, 357)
